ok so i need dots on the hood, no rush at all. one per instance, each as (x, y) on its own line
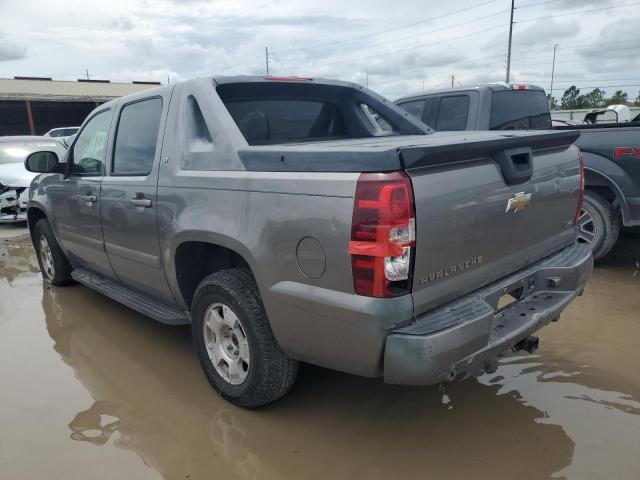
(15, 175)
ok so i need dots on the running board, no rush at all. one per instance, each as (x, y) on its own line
(160, 311)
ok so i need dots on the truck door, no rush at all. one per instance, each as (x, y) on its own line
(75, 199)
(129, 210)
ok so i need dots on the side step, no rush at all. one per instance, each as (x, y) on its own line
(160, 311)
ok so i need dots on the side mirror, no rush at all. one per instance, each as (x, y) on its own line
(43, 162)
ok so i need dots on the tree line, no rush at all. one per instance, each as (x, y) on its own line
(572, 99)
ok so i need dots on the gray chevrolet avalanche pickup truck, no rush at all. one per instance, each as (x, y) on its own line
(295, 220)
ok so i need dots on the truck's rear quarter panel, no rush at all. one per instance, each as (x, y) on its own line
(264, 216)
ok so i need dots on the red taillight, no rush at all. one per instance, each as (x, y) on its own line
(382, 234)
(581, 192)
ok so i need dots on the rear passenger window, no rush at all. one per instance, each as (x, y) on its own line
(414, 108)
(453, 113)
(137, 137)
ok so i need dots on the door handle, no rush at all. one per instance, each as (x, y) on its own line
(89, 198)
(141, 202)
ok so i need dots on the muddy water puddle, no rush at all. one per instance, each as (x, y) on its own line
(90, 389)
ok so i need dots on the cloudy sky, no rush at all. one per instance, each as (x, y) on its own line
(396, 46)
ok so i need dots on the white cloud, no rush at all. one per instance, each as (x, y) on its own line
(124, 40)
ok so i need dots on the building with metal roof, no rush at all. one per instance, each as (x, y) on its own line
(34, 105)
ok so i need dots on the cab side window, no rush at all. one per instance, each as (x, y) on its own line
(453, 113)
(137, 137)
(90, 147)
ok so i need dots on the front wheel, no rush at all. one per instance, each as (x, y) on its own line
(598, 224)
(54, 265)
(235, 345)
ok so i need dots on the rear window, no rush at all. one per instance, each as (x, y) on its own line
(277, 112)
(520, 110)
(276, 120)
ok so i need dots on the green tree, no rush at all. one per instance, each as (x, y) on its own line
(595, 98)
(637, 102)
(619, 98)
(571, 99)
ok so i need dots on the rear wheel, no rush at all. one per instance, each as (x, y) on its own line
(54, 265)
(235, 345)
(598, 224)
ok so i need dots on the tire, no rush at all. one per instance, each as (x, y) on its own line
(244, 364)
(598, 225)
(54, 265)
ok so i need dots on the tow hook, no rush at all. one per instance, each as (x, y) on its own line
(529, 344)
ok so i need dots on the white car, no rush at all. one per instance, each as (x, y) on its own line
(14, 178)
(15, 195)
(62, 132)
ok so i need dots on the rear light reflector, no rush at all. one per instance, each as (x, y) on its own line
(382, 234)
(581, 191)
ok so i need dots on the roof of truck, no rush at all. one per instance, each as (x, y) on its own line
(494, 87)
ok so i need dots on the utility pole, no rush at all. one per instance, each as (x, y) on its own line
(266, 58)
(553, 71)
(367, 80)
(168, 81)
(87, 72)
(510, 35)
(453, 80)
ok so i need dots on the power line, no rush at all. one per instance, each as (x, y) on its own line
(368, 35)
(578, 12)
(565, 45)
(367, 47)
(535, 4)
(497, 27)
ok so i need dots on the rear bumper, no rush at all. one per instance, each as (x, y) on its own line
(467, 335)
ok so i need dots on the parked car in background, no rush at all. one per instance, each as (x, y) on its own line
(611, 152)
(62, 132)
(279, 219)
(14, 178)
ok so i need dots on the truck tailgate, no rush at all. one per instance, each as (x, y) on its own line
(488, 207)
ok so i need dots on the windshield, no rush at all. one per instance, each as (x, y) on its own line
(520, 110)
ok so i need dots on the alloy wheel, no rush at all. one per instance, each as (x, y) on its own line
(587, 230)
(226, 343)
(46, 258)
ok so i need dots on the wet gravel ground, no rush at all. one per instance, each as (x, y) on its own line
(92, 390)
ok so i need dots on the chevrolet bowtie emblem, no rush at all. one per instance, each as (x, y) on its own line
(519, 202)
